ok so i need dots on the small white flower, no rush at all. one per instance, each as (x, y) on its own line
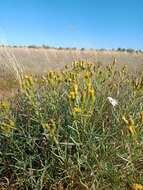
(112, 101)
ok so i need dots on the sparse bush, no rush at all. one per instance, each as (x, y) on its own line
(102, 49)
(82, 49)
(130, 50)
(32, 46)
(46, 46)
(121, 49)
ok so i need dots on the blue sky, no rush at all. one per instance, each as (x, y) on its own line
(72, 23)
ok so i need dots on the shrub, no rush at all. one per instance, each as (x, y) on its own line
(46, 46)
(130, 50)
(60, 131)
(32, 46)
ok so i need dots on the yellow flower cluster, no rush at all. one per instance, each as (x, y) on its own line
(136, 186)
(72, 95)
(7, 127)
(28, 82)
(131, 125)
(91, 92)
(76, 110)
(87, 75)
(74, 92)
(29, 79)
(50, 127)
(4, 106)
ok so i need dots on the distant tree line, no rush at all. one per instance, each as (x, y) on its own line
(129, 50)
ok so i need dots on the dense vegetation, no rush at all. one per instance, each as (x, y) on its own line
(78, 129)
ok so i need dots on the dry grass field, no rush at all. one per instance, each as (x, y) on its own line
(39, 60)
(15, 62)
(70, 125)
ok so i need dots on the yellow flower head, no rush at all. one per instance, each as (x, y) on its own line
(131, 125)
(89, 85)
(81, 64)
(131, 121)
(125, 120)
(72, 95)
(4, 106)
(75, 88)
(91, 93)
(29, 80)
(50, 74)
(136, 186)
(76, 110)
(132, 130)
(50, 126)
(26, 77)
(43, 79)
(87, 75)
(7, 127)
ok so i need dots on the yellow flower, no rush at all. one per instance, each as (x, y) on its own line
(89, 65)
(50, 74)
(50, 126)
(4, 106)
(7, 127)
(132, 130)
(81, 64)
(43, 80)
(125, 120)
(131, 121)
(87, 75)
(26, 77)
(136, 186)
(76, 110)
(75, 88)
(91, 94)
(29, 80)
(131, 125)
(72, 95)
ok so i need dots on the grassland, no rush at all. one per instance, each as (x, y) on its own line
(37, 61)
(79, 128)
(40, 60)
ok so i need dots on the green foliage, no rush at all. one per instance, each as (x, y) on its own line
(60, 131)
(121, 49)
(130, 50)
(82, 49)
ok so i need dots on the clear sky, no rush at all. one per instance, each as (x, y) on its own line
(72, 23)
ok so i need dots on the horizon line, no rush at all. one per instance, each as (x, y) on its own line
(122, 49)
